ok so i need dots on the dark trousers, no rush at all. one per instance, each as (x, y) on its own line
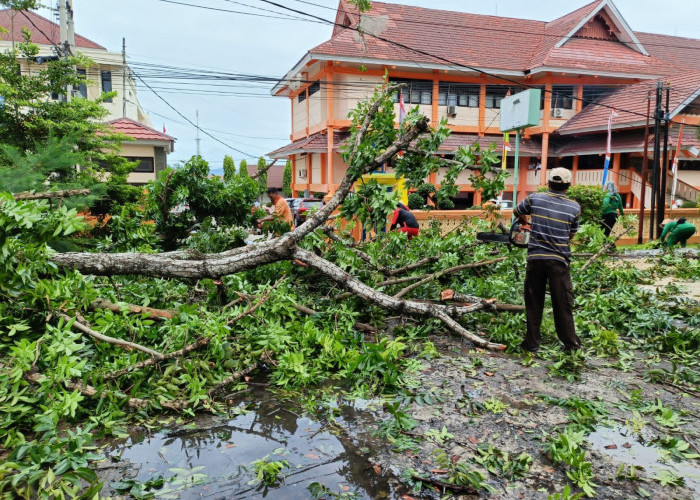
(609, 221)
(556, 273)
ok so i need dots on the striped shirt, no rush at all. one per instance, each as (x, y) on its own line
(555, 218)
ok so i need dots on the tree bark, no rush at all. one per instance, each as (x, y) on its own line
(132, 309)
(50, 194)
(383, 300)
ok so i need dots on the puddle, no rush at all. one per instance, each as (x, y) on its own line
(630, 451)
(213, 459)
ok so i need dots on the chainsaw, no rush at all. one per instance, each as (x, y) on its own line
(519, 235)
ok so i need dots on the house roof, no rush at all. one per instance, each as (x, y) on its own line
(631, 105)
(318, 143)
(44, 32)
(139, 131)
(275, 174)
(591, 39)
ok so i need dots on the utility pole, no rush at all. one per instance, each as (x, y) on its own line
(645, 173)
(124, 70)
(655, 165)
(197, 140)
(664, 166)
(65, 13)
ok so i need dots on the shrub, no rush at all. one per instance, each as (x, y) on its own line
(415, 201)
(590, 198)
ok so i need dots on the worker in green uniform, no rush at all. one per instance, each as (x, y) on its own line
(611, 204)
(677, 231)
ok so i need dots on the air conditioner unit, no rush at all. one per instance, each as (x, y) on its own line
(557, 112)
(302, 174)
(452, 111)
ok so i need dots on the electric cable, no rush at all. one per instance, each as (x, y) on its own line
(247, 155)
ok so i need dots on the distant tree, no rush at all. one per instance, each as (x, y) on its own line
(287, 180)
(262, 178)
(229, 168)
(243, 169)
(20, 4)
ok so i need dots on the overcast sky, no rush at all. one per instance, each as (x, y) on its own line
(162, 32)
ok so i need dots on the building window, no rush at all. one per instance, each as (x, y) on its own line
(563, 96)
(143, 163)
(458, 94)
(301, 97)
(81, 91)
(106, 83)
(314, 87)
(594, 93)
(415, 91)
(494, 95)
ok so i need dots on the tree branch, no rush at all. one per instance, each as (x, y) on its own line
(105, 338)
(263, 170)
(381, 299)
(50, 194)
(132, 309)
(444, 272)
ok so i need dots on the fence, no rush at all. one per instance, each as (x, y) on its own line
(451, 219)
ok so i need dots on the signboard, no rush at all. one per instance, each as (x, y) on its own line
(521, 110)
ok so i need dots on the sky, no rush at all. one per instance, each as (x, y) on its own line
(248, 122)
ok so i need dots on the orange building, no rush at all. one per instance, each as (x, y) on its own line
(459, 66)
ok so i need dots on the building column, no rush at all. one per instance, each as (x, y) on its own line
(617, 157)
(329, 161)
(295, 192)
(522, 180)
(436, 97)
(482, 109)
(545, 126)
(574, 170)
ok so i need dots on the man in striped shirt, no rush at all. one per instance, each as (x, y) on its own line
(555, 220)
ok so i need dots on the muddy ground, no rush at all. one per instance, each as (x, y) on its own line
(467, 381)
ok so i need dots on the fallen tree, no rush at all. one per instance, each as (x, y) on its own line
(363, 157)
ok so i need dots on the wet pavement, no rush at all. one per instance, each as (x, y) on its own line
(212, 457)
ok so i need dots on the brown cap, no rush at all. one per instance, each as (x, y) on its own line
(561, 174)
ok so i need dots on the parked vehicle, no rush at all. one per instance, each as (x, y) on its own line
(303, 207)
(502, 204)
(293, 205)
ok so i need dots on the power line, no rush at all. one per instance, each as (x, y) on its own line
(218, 9)
(190, 121)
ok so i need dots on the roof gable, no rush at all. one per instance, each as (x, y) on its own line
(44, 31)
(604, 22)
(631, 103)
(138, 131)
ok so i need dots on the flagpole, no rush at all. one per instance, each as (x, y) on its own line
(674, 167)
(516, 162)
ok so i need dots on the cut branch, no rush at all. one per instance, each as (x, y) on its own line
(444, 272)
(132, 309)
(472, 299)
(264, 169)
(383, 300)
(604, 248)
(110, 340)
(89, 391)
(50, 194)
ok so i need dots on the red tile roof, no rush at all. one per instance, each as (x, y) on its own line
(275, 174)
(138, 131)
(428, 36)
(317, 143)
(44, 32)
(633, 100)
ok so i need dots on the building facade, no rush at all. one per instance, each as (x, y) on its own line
(458, 66)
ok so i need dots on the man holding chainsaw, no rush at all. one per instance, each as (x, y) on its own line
(555, 220)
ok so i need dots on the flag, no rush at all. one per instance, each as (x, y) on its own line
(674, 167)
(402, 110)
(164, 128)
(608, 147)
(506, 144)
